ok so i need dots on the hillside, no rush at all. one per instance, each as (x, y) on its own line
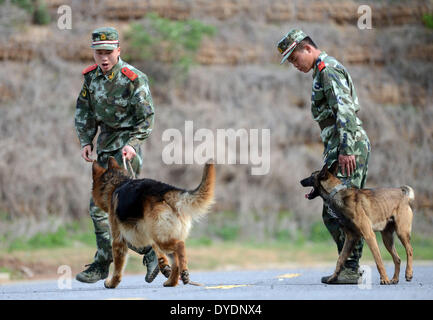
(237, 83)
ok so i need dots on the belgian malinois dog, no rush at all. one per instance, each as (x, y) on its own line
(147, 212)
(363, 211)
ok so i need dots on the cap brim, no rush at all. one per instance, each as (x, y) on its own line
(104, 46)
(287, 56)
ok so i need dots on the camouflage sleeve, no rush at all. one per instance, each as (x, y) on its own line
(338, 94)
(85, 122)
(143, 113)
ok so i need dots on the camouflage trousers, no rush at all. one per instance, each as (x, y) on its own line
(356, 180)
(100, 217)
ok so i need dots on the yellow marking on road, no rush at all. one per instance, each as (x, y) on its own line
(229, 286)
(289, 275)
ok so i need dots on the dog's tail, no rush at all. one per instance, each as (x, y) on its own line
(197, 202)
(408, 191)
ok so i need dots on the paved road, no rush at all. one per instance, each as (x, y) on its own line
(287, 284)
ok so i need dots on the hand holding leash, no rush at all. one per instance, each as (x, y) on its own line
(128, 153)
(86, 152)
(130, 171)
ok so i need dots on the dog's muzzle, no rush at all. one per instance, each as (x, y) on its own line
(309, 182)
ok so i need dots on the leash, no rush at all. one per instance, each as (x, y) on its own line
(130, 167)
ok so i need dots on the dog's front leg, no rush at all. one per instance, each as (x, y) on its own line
(370, 238)
(349, 244)
(120, 250)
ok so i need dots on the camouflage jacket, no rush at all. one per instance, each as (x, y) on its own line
(334, 105)
(119, 102)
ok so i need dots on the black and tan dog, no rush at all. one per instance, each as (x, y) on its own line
(147, 212)
(363, 211)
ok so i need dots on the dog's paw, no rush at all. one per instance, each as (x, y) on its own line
(109, 284)
(394, 281)
(185, 276)
(385, 281)
(170, 283)
(166, 271)
(409, 277)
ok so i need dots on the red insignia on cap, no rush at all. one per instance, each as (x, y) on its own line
(130, 74)
(321, 65)
(89, 68)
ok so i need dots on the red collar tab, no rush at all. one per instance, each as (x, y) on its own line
(130, 74)
(89, 68)
(321, 66)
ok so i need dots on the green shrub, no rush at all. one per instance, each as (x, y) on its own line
(64, 236)
(179, 40)
(283, 235)
(319, 233)
(41, 15)
(428, 20)
(37, 9)
(42, 240)
(24, 4)
(228, 233)
(300, 239)
(202, 241)
(49, 240)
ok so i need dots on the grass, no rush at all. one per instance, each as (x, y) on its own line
(65, 236)
(74, 245)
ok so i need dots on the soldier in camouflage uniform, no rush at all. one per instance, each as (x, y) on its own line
(334, 105)
(115, 96)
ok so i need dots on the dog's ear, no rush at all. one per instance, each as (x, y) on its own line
(322, 174)
(97, 169)
(334, 168)
(112, 163)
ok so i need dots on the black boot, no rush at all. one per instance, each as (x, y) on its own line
(150, 260)
(96, 271)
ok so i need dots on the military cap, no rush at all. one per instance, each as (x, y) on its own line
(105, 38)
(289, 42)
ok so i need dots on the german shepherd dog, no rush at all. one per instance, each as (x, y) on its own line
(363, 211)
(147, 212)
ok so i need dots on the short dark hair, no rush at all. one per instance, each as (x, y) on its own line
(307, 40)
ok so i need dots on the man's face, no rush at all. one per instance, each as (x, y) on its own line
(106, 59)
(302, 59)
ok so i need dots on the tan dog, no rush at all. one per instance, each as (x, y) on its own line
(363, 211)
(147, 212)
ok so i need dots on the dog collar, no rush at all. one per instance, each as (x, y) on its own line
(336, 189)
(331, 195)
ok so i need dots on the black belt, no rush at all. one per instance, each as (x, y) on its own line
(326, 123)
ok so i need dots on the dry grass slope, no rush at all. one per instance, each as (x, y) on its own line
(43, 179)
